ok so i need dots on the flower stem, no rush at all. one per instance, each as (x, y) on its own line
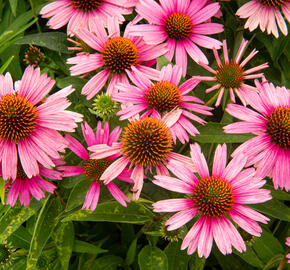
(35, 15)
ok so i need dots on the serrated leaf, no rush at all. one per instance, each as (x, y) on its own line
(114, 212)
(44, 226)
(14, 217)
(177, 259)
(213, 133)
(55, 41)
(152, 258)
(84, 247)
(267, 246)
(64, 240)
(273, 208)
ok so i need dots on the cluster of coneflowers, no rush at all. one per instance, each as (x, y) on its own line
(160, 108)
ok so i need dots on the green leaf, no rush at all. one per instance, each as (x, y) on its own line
(5, 65)
(13, 4)
(78, 194)
(177, 259)
(14, 217)
(44, 226)
(131, 253)
(196, 263)
(250, 256)
(162, 61)
(55, 41)
(267, 246)
(64, 240)
(21, 238)
(273, 208)
(213, 133)
(84, 247)
(109, 262)
(152, 258)
(114, 212)
(274, 262)
(278, 194)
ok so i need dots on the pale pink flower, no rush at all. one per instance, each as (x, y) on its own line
(182, 24)
(266, 13)
(114, 58)
(93, 169)
(231, 75)
(162, 96)
(88, 14)
(23, 187)
(213, 198)
(288, 244)
(269, 151)
(29, 123)
(145, 144)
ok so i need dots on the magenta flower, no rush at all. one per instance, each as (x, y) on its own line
(182, 24)
(114, 58)
(231, 75)
(80, 14)
(161, 97)
(29, 123)
(93, 169)
(269, 151)
(288, 244)
(24, 187)
(266, 13)
(145, 144)
(213, 198)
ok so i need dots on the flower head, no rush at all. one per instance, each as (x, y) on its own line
(182, 24)
(161, 97)
(114, 58)
(270, 121)
(213, 198)
(93, 169)
(84, 14)
(104, 106)
(231, 74)
(29, 123)
(145, 144)
(288, 244)
(33, 56)
(266, 13)
(24, 187)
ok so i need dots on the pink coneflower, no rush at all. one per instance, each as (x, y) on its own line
(213, 199)
(288, 244)
(231, 75)
(270, 149)
(161, 97)
(182, 24)
(24, 187)
(84, 14)
(29, 123)
(114, 58)
(93, 169)
(145, 144)
(266, 13)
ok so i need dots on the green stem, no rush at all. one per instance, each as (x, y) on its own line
(212, 100)
(35, 15)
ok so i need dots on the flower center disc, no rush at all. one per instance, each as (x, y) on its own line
(147, 142)
(178, 26)
(18, 117)
(213, 196)
(230, 75)
(278, 127)
(163, 96)
(273, 3)
(120, 54)
(86, 5)
(94, 168)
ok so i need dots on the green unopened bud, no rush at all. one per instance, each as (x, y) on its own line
(171, 235)
(104, 106)
(33, 56)
(5, 254)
